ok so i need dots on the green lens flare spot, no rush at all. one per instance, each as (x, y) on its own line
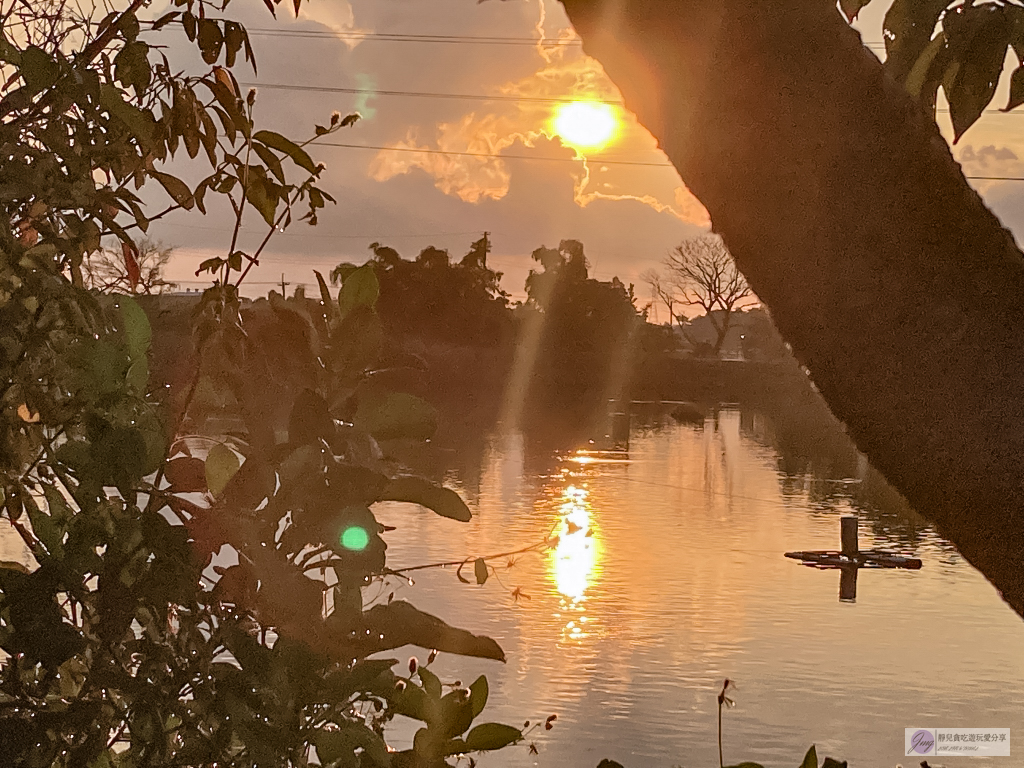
(355, 538)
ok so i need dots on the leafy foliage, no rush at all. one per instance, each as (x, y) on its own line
(958, 46)
(195, 597)
(810, 761)
(585, 328)
(432, 298)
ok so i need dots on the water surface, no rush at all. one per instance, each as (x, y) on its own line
(669, 576)
(673, 578)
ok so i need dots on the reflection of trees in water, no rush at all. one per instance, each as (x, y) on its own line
(817, 458)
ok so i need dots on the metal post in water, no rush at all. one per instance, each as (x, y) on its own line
(848, 584)
(848, 534)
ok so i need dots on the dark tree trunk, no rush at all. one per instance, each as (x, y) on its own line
(723, 331)
(842, 205)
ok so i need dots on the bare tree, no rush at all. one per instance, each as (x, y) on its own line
(702, 273)
(664, 291)
(112, 270)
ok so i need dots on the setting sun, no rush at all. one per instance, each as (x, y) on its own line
(585, 124)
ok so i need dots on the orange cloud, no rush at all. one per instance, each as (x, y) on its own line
(471, 179)
(564, 72)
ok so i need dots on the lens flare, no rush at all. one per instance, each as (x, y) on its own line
(585, 124)
(355, 538)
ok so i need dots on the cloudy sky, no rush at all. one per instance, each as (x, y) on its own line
(508, 171)
(530, 188)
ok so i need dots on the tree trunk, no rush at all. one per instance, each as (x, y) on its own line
(723, 331)
(840, 201)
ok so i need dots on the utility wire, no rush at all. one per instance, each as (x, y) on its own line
(430, 94)
(400, 37)
(498, 97)
(597, 160)
(427, 39)
(333, 236)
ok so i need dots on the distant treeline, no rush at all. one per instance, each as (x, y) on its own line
(582, 339)
(574, 343)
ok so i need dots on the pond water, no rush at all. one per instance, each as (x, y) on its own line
(669, 576)
(673, 578)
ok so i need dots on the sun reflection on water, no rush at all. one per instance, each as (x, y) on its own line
(574, 560)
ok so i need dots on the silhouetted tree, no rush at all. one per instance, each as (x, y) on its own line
(702, 273)
(112, 270)
(431, 298)
(586, 326)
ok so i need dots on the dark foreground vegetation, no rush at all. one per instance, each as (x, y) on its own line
(198, 551)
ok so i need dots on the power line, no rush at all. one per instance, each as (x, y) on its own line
(425, 39)
(597, 160)
(429, 94)
(335, 237)
(498, 97)
(400, 37)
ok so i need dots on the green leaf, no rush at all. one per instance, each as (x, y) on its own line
(138, 376)
(810, 759)
(396, 415)
(44, 527)
(399, 623)
(38, 68)
(419, 490)
(339, 746)
(978, 44)
(140, 123)
(189, 22)
(341, 272)
(480, 570)
(271, 161)
(430, 682)
(221, 465)
(234, 39)
(176, 188)
(210, 265)
(186, 474)
(164, 20)
(57, 506)
(359, 289)
(325, 296)
(276, 141)
(258, 193)
(908, 28)
(210, 39)
(920, 73)
(478, 693)
(12, 565)
(137, 331)
(492, 736)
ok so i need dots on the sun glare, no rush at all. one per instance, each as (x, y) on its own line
(585, 124)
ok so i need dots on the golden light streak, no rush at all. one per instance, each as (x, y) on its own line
(575, 556)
